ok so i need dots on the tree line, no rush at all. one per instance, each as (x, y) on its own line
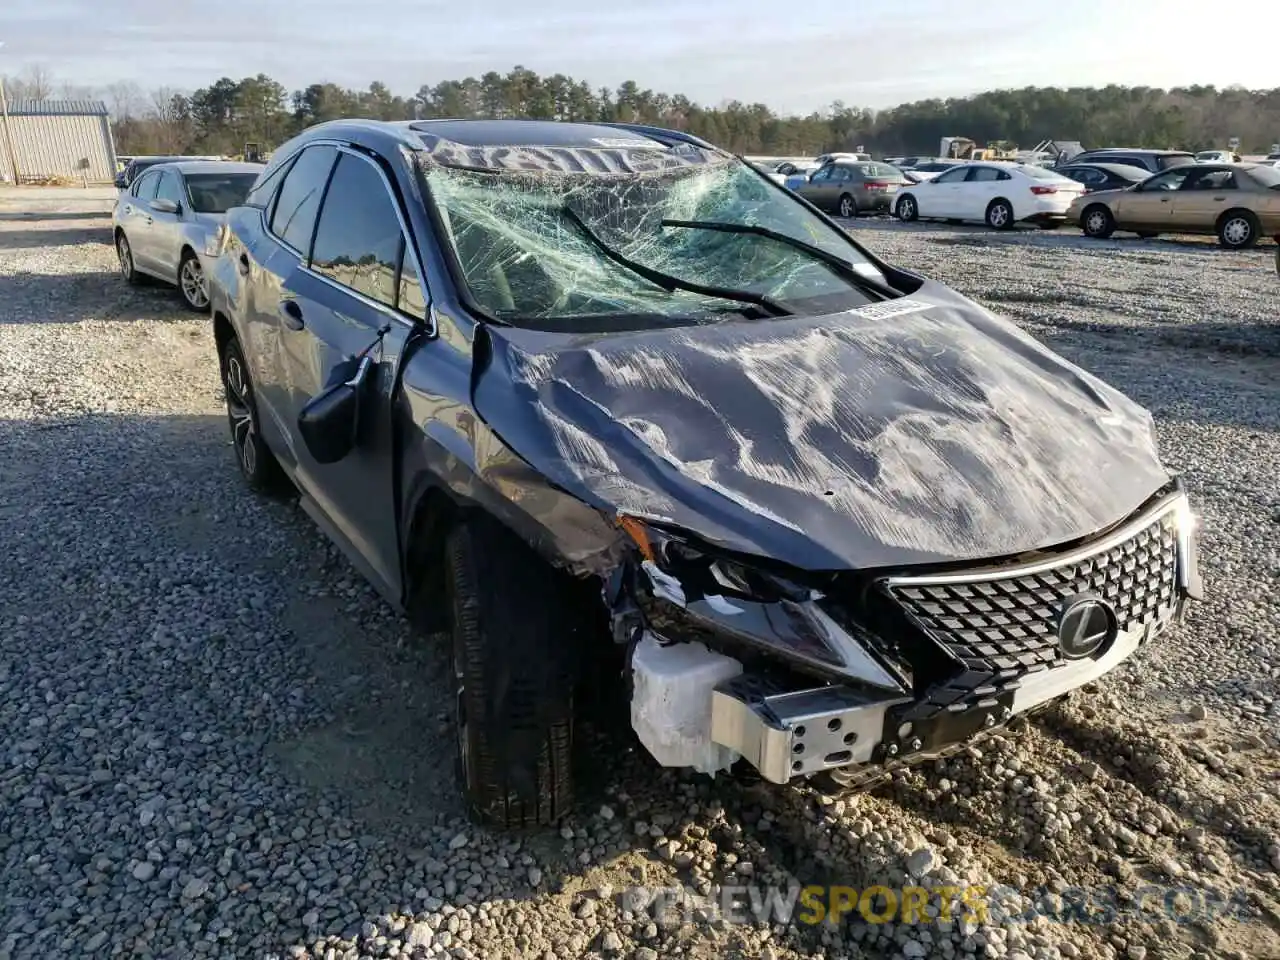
(222, 117)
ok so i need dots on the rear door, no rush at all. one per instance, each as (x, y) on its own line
(980, 188)
(1202, 198)
(135, 216)
(363, 277)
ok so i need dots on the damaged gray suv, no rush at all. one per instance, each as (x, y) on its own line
(604, 397)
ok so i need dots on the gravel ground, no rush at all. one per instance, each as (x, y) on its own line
(216, 741)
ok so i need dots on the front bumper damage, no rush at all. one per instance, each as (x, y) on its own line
(911, 666)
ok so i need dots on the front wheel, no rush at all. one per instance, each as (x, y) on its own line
(1238, 229)
(907, 209)
(848, 206)
(514, 650)
(192, 283)
(1000, 215)
(1098, 222)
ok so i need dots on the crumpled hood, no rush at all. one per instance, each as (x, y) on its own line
(912, 431)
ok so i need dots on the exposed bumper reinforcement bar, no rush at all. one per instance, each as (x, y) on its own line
(786, 735)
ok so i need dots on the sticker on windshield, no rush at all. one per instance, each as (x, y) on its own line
(890, 308)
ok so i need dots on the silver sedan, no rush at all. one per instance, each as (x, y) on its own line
(165, 224)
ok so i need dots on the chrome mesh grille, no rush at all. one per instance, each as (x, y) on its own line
(1005, 628)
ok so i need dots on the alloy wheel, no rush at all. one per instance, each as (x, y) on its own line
(195, 288)
(240, 410)
(998, 216)
(846, 207)
(1095, 222)
(125, 256)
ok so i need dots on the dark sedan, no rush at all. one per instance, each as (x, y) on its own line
(601, 402)
(1104, 176)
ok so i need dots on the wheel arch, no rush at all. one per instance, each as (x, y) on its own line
(223, 331)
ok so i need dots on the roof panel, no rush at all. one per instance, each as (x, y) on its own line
(57, 108)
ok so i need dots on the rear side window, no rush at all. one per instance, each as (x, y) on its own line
(984, 174)
(358, 239)
(294, 218)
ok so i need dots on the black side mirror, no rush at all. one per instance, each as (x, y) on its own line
(330, 421)
(121, 182)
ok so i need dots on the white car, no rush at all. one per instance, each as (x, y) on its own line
(1217, 156)
(928, 169)
(998, 194)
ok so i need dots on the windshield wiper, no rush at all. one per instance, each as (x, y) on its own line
(669, 283)
(838, 264)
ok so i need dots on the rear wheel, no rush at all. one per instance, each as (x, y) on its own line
(1238, 229)
(907, 210)
(514, 650)
(257, 463)
(1098, 222)
(124, 253)
(848, 207)
(999, 215)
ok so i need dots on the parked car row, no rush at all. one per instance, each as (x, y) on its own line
(165, 223)
(479, 384)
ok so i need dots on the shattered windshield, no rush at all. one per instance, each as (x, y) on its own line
(590, 251)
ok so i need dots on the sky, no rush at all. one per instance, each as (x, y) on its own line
(795, 57)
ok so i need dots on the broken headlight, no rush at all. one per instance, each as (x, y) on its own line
(673, 560)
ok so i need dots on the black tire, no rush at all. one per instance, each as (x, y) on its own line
(514, 656)
(1238, 229)
(124, 254)
(1097, 222)
(999, 215)
(907, 209)
(847, 206)
(192, 285)
(258, 465)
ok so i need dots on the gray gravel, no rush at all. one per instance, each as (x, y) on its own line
(216, 741)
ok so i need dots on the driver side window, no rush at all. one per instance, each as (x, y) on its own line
(821, 176)
(145, 187)
(954, 175)
(1170, 180)
(171, 188)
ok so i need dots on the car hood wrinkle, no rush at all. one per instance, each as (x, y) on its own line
(855, 440)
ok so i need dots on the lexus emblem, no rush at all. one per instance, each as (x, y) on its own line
(1086, 626)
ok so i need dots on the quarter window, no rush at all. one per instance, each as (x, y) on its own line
(359, 242)
(294, 218)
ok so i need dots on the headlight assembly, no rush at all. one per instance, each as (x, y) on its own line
(700, 571)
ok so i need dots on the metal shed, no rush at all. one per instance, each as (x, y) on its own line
(65, 139)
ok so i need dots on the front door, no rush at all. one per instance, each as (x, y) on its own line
(940, 197)
(361, 290)
(1150, 206)
(162, 233)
